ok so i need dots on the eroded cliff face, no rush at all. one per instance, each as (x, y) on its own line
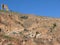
(25, 29)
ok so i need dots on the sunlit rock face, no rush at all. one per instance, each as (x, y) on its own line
(27, 29)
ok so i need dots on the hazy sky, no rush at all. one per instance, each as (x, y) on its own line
(49, 8)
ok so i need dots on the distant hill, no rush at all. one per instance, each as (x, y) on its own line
(27, 29)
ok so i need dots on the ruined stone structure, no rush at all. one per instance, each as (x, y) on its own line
(4, 7)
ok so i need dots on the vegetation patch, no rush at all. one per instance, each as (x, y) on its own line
(52, 28)
(24, 17)
(3, 11)
(54, 25)
(10, 44)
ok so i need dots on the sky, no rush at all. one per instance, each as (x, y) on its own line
(50, 8)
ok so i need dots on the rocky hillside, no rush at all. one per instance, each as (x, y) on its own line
(25, 29)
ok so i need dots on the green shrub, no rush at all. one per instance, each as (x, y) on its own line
(52, 28)
(14, 33)
(26, 30)
(54, 25)
(5, 36)
(24, 17)
(20, 33)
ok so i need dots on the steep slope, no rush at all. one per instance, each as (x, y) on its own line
(25, 29)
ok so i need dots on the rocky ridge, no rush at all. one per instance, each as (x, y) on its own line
(25, 29)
